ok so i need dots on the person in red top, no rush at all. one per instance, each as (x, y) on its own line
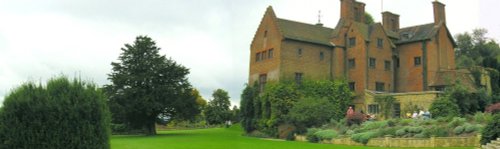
(350, 112)
(349, 116)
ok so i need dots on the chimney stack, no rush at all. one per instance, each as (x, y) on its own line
(352, 10)
(390, 21)
(439, 12)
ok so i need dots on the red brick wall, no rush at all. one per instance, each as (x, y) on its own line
(261, 44)
(308, 63)
(409, 77)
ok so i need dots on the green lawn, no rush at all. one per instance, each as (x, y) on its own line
(215, 138)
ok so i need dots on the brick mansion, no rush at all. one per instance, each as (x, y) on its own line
(410, 63)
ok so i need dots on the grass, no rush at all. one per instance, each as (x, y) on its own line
(214, 138)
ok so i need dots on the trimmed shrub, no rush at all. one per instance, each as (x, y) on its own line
(415, 130)
(491, 131)
(392, 122)
(64, 114)
(326, 134)
(405, 122)
(311, 135)
(389, 131)
(364, 137)
(370, 125)
(437, 131)
(469, 128)
(420, 135)
(401, 132)
(458, 130)
(457, 121)
(349, 132)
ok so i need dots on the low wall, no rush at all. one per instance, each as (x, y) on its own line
(388, 141)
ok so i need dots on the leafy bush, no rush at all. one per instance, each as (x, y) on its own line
(118, 128)
(494, 108)
(349, 132)
(326, 134)
(392, 122)
(420, 135)
(310, 112)
(491, 131)
(401, 132)
(389, 131)
(438, 131)
(64, 114)
(480, 117)
(457, 121)
(257, 134)
(355, 119)
(415, 130)
(370, 125)
(247, 108)
(290, 136)
(468, 128)
(458, 130)
(311, 135)
(364, 137)
(341, 128)
(443, 107)
(405, 122)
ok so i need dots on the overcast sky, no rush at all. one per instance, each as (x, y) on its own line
(40, 39)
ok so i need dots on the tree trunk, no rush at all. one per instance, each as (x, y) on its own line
(151, 128)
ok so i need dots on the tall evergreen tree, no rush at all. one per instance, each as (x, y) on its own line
(146, 84)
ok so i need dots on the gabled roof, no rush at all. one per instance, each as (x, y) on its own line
(364, 29)
(417, 33)
(421, 32)
(305, 32)
(450, 77)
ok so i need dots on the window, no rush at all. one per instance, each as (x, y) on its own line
(373, 109)
(380, 43)
(394, 25)
(321, 56)
(440, 88)
(351, 63)
(262, 81)
(357, 16)
(264, 55)
(387, 65)
(397, 110)
(298, 77)
(352, 41)
(257, 57)
(406, 36)
(270, 53)
(299, 51)
(379, 87)
(265, 34)
(373, 62)
(418, 61)
(397, 62)
(352, 86)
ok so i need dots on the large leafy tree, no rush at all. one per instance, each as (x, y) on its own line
(145, 84)
(476, 49)
(217, 111)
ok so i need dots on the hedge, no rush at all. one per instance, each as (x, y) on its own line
(64, 114)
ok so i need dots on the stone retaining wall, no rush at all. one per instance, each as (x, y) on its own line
(388, 141)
